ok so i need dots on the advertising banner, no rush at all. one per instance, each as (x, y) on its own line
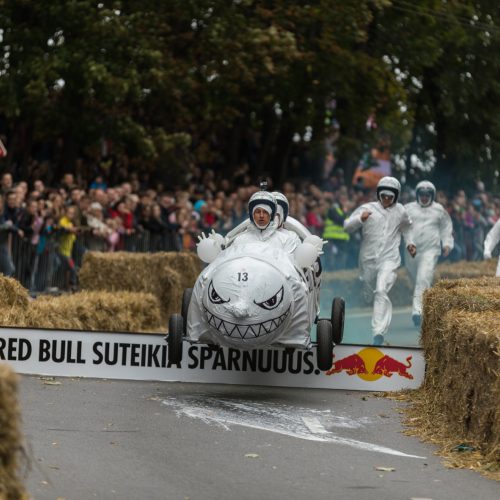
(129, 356)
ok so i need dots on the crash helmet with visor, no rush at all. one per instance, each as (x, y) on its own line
(425, 193)
(265, 201)
(388, 186)
(282, 206)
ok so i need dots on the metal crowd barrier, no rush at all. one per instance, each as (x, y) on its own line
(45, 270)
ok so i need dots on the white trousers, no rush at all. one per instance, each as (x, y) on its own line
(421, 270)
(377, 282)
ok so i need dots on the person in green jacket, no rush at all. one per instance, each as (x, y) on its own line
(338, 239)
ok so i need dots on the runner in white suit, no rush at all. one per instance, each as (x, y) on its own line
(381, 222)
(432, 234)
(491, 241)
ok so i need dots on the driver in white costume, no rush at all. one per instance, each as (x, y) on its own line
(491, 241)
(432, 228)
(262, 209)
(381, 222)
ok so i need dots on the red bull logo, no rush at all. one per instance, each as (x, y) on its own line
(370, 364)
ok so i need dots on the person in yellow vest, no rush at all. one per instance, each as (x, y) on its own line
(66, 241)
(336, 250)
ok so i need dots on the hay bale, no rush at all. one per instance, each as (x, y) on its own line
(438, 300)
(465, 269)
(10, 436)
(12, 293)
(348, 285)
(465, 282)
(14, 301)
(97, 311)
(460, 401)
(164, 274)
(467, 393)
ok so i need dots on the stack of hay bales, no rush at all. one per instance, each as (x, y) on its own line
(461, 341)
(96, 311)
(10, 437)
(164, 274)
(14, 302)
(466, 269)
(348, 285)
(88, 311)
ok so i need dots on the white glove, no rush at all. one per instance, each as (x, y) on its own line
(218, 238)
(305, 255)
(207, 248)
(316, 242)
(487, 255)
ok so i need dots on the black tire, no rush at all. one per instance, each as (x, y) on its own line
(338, 315)
(175, 339)
(186, 300)
(324, 350)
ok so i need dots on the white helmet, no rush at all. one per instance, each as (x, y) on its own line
(282, 206)
(390, 184)
(425, 188)
(265, 200)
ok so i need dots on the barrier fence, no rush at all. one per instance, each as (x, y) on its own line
(42, 268)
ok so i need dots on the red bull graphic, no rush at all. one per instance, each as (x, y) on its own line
(352, 365)
(387, 366)
(371, 364)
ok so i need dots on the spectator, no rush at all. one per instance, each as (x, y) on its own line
(67, 237)
(7, 183)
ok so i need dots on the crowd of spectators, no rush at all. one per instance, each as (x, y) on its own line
(45, 230)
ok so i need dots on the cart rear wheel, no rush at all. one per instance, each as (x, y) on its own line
(338, 314)
(175, 338)
(324, 338)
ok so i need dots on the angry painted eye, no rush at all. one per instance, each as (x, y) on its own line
(273, 302)
(214, 297)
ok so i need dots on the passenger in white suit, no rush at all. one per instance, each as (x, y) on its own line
(291, 239)
(433, 235)
(491, 241)
(382, 223)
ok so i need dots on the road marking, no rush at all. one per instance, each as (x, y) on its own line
(314, 425)
(296, 422)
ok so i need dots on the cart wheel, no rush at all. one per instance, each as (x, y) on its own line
(175, 339)
(186, 300)
(338, 313)
(324, 339)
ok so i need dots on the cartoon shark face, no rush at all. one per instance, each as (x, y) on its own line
(248, 301)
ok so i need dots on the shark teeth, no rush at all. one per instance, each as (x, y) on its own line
(234, 330)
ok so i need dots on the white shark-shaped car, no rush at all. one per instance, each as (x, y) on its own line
(255, 296)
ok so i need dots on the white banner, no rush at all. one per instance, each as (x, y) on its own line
(130, 356)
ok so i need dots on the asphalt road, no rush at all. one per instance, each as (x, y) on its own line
(147, 440)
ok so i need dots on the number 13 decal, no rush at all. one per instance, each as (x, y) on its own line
(242, 276)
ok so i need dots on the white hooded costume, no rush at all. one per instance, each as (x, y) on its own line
(432, 228)
(274, 233)
(379, 256)
(491, 241)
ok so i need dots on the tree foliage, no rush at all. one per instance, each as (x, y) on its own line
(216, 81)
